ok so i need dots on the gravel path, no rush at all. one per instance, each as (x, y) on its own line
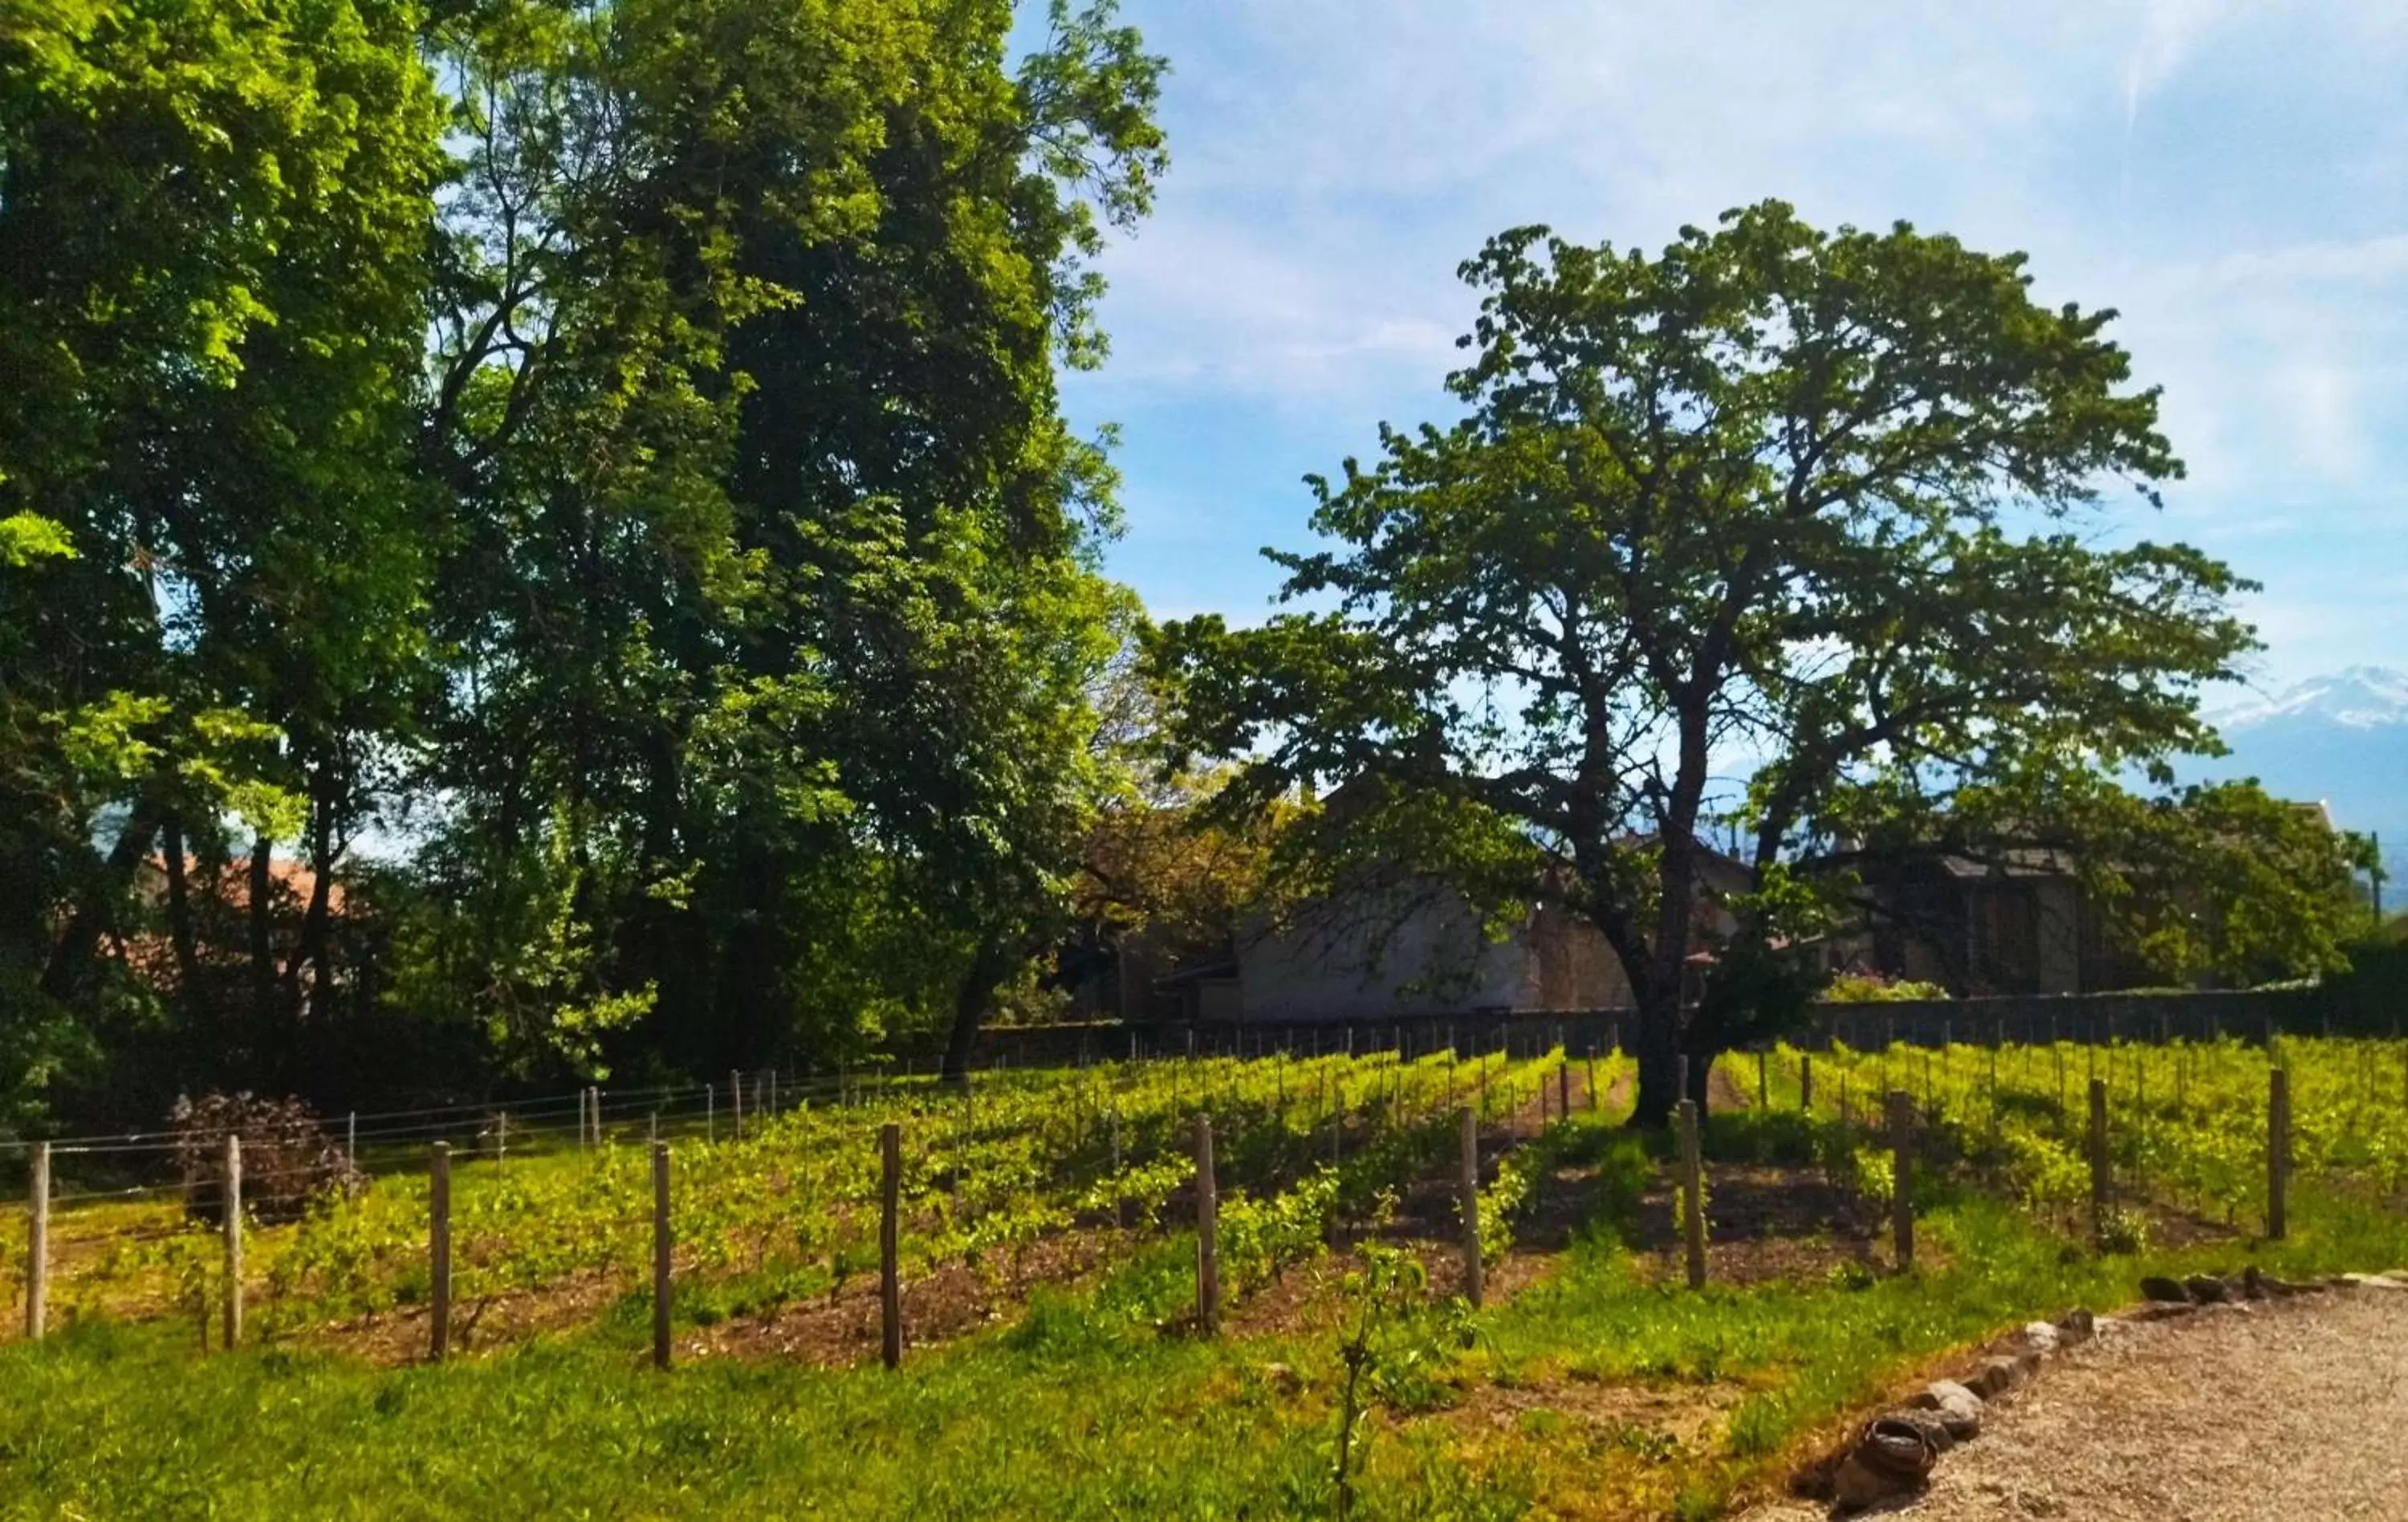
(2295, 1412)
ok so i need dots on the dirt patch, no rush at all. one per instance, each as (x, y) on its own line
(952, 1302)
(1724, 1094)
(479, 1327)
(1641, 1417)
(2172, 1227)
(1766, 1222)
(1308, 1298)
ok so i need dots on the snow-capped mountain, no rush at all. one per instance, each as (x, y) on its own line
(2342, 737)
(2355, 698)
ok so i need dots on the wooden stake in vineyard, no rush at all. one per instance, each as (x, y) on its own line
(1692, 1193)
(1806, 1083)
(231, 1200)
(2099, 1181)
(1902, 1192)
(37, 1242)
(1207, 1230)
(2278, 1149)
(1120, 1200)
(438, 1252)
(890, 1279)
(1467, 1195)
(662, 1251)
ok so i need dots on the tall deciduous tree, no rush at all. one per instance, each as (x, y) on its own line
(1810, 502)
(212, 226)
(774, 600)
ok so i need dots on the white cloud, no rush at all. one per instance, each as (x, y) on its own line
(2233, 177)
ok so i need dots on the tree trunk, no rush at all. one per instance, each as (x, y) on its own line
(312, 952)
(96, 912)
(970, 1002)
(180, 922)
(1659, 1056)
(263, 948)
(1661, 1037)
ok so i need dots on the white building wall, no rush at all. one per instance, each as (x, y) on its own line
(1368, 963)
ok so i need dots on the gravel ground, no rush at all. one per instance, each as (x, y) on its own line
(2282, 1412)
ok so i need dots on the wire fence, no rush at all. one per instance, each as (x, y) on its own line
(991, 1167)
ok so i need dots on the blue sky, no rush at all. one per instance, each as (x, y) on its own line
(2233, 178)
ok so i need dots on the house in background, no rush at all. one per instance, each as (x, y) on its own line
(2021, 926)
(2022, 923)
(1421, 950)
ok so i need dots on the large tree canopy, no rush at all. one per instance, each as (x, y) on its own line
(1817, 505)
(212, 228)
(607, 456)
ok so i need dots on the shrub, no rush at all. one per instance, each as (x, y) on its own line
(288, 1160)
(1866, 988)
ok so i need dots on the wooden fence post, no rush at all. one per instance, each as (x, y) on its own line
(438, 1252)
(2278, 1149)
(1120, 1198)
(1901, 1201)
(662, 1245)
(1693, 1192)
(231, 1200)
(890, 1279)
(2099, 1190)
(1806, 1084)
(37, 1242)
(1208, 1230)
(1468, 1192)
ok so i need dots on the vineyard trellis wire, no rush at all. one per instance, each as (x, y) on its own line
(776, 1203)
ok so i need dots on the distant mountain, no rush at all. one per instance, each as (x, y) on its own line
(2355, 697)
(2342, 738)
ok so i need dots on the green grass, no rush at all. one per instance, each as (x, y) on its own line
(1082, 1410)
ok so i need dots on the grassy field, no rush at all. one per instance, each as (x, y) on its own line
(1593, 1385)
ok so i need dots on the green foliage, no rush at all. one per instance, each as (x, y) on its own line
(613, 455)
(1382, 1294)
(1856, 988)
(1094, 1405)
(211, 305)
(26, 537)
(1806, 493)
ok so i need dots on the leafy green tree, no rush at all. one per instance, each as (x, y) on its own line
(2225, 881)
(212, 222)
(1813, 502)
(772, 601)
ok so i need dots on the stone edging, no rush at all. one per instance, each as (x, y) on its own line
(1893, 1455)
